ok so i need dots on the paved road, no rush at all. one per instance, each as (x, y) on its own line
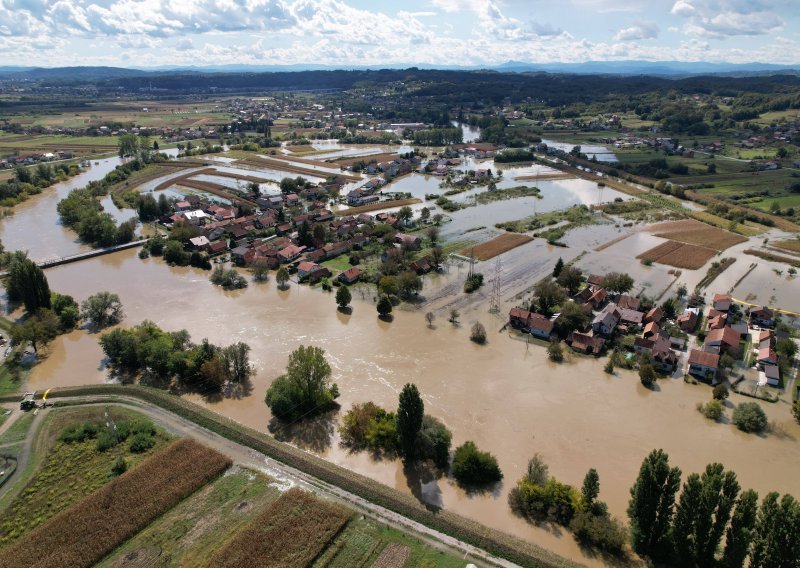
(286, 475)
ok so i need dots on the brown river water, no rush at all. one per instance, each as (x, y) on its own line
(505, 396)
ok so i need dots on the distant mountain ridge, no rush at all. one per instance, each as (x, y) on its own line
(653, 68)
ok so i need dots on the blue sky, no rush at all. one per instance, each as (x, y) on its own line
(146, 33)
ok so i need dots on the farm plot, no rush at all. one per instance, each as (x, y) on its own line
(86, 532)
(679, 255)
(496, 246)
(289, 533)
(792, 245)
(286, 166)
(694, 232)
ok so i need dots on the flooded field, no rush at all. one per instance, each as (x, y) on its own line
(602, 153)
(506, 396)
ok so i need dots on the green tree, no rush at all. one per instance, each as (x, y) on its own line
(796, 410)
(647, 375)
(548, 295)
(39, 328)
(590, 488)
(740, 531)
(702, 514)
(305, 388)
(343, 297)
(570, 278)
(388, 285)
(572, 318)
(28, 284)
(558, 267)
(102, 309)
(555, 351)
(405, 214)
(720, 392)
(236, 358)
(775, 542)
(651, 506)
(618, 282)
(128, 145)
(282, 277)
(749, 417)
(410, 411)
(384, 306)
(474, 467)
(478, 333)
(408, 284)
(433, 441)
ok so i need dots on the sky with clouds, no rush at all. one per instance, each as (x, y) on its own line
(144, 33)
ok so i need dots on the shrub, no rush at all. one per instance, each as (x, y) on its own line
(555, 352)
(647, 375)
(141, 442)
(720, 392)
(712, 410)
(228, 279)
(478, 333)
(120, 466)
(474, 467)
(78, 432)
(473, 282)
(384, 306)
(599, 531)
(433, 441)
(106, 440)
(750, 417)
(553, 501)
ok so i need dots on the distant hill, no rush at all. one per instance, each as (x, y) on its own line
(651, 68)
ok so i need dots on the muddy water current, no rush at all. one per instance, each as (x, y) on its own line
(506, 396)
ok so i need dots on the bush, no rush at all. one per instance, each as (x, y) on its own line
(106, 440)
(599, 531)
(474, 467)
(720, 392)
(141, 442)
(120, 466)
(478, 333)
(78, 433)
(553, 501)
(433, 441)
(647, 375)
(228, 279)
(712, 410)
(473, 282)
(555, 352)
(750, 417)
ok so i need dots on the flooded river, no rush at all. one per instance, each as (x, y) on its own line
(506, 396)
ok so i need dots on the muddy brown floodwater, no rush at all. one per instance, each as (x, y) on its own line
(505, 396)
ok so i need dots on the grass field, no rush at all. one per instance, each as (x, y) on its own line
(783, 202)
(340, 263)
(201, 525)
(496, 246)
(86, 532)
(17, 431)
(69, 472)
(792, 245)
(291, 532)
(376, 206)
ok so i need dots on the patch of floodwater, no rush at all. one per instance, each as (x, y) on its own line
(272, 174)
(223, 159)
(602, 153)
(230, 183)
(153, 183)
(555, 195)
(35, 225)
(322, 169)
(119, 215)
(469, 133)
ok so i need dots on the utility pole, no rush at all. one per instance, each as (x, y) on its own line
(494, 304)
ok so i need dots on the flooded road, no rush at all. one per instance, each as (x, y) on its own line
(505, 396)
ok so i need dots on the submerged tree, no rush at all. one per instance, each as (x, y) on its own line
(410, 411)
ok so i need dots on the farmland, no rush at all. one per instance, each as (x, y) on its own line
(496, 246)
(69, 472)
(290, 532)
(696, 233)
(86, 532)
(376, 206)
(679, 255)
(790, 245)
(201, 525)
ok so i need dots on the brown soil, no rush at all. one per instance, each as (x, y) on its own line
(694, 232)
(680, 255)
(790, 246)
(393, 556)
(496, 246)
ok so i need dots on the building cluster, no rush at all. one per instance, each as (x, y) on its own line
(34, 158)
(728, 332)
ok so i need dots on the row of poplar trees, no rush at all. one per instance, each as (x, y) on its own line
(711, 506)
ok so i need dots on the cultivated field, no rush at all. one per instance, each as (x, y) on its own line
(86, 532)
(696, 233)
(287, 166)
(289, 533)
(69, 472)
(496, 246)
(376, 206)
(792, 245)
(679, 255)
(349, 161)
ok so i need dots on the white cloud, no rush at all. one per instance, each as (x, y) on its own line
(719, 19)
(640, 31)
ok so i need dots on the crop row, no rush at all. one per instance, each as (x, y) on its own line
(472, 532)
(291, 532)
(86, 532)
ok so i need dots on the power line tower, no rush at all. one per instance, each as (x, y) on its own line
(471, 271)
(494, 303)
